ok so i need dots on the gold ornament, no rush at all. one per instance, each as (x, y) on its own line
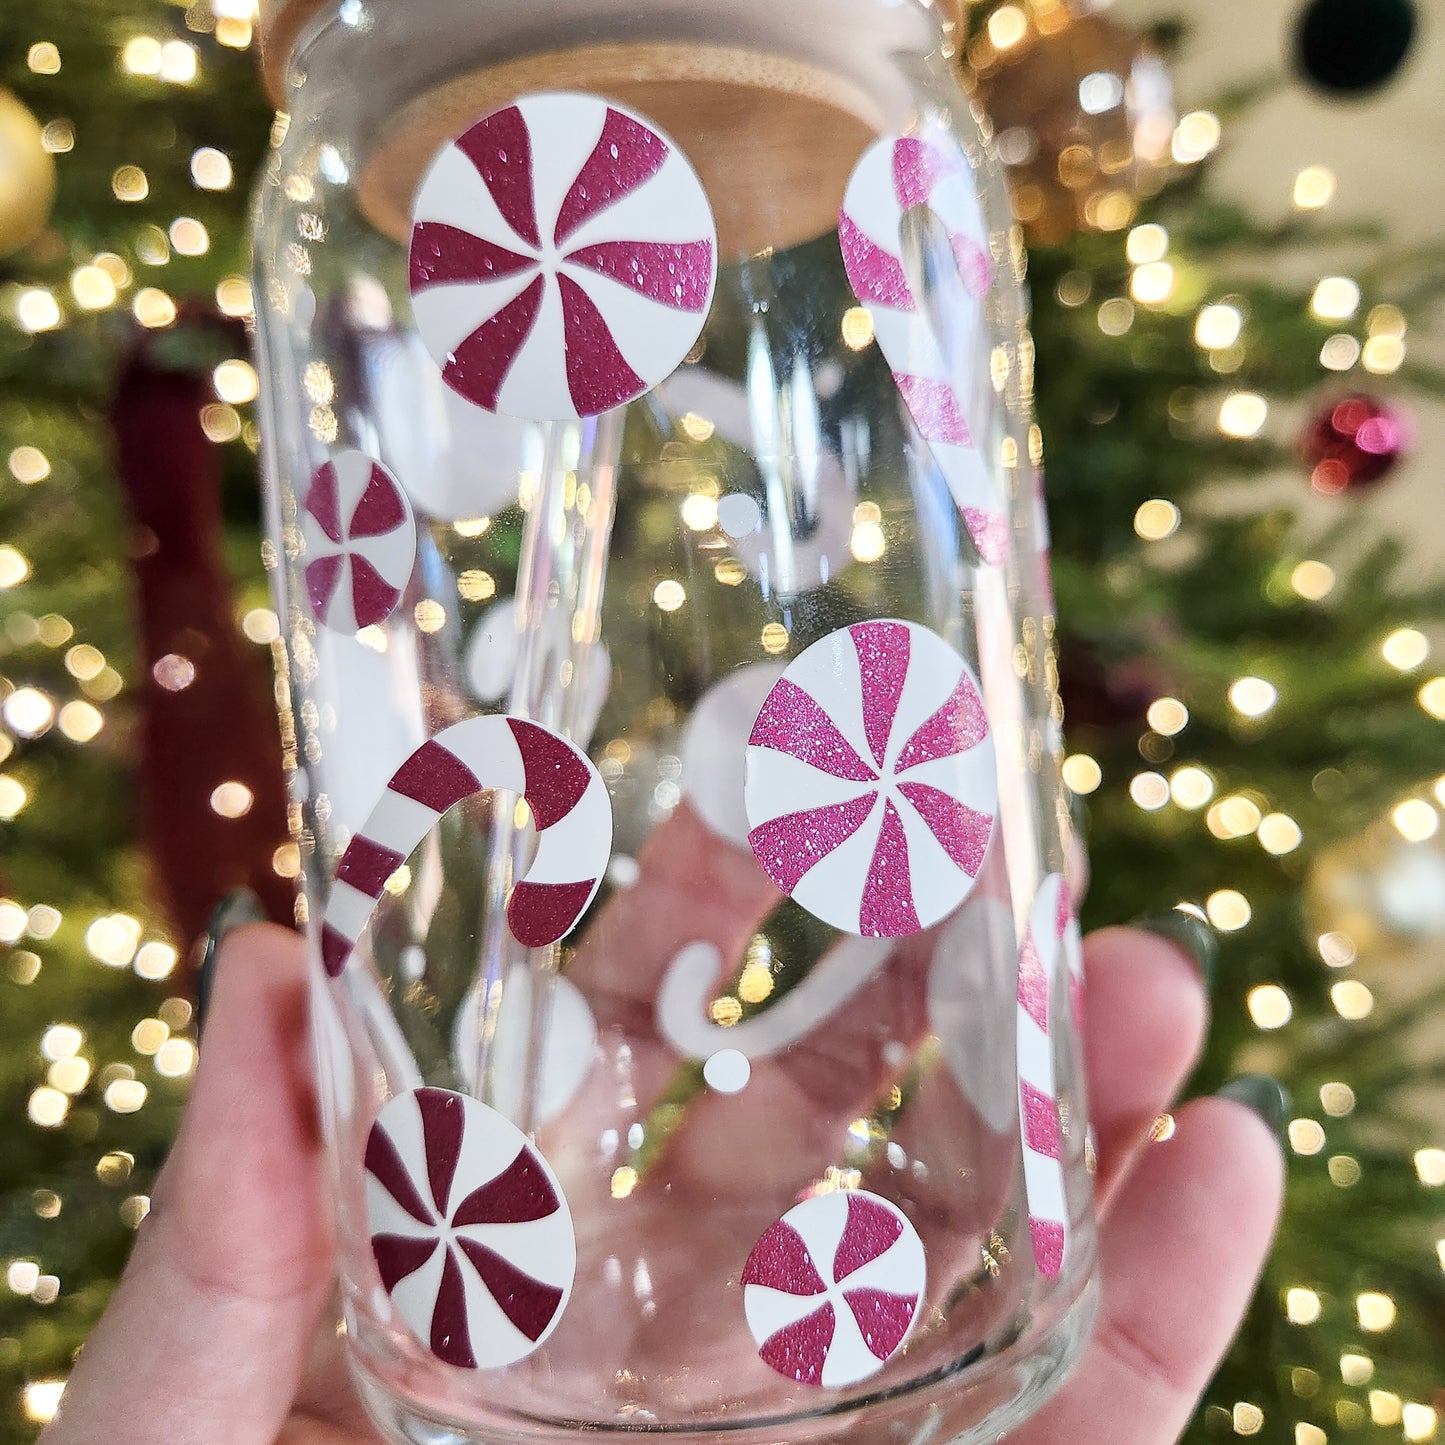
(27, 176)
(1082, 112)
(1381, 894)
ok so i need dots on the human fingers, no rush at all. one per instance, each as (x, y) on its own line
(692, 886)
(1180, 1252)
(211, 1324)
(1144, 1024)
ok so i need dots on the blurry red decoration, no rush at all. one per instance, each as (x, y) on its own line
(1355, 441)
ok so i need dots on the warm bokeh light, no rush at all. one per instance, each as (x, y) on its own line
(235, 382)
(1167, 716)
(1218, 326)
(1415, 820)
(669, 594)
(1405, 649)
(1156, 519)
(1228, 910)
(1302, 1306)
(153, 308)
(1242, 414)
(1007, 26)
(92, 288)
(1314, 581)
(1352, 999)
(1196, 136)
(1314, 187)
(37, 310)
(28, 712)
(1191, 787)
(1375, 1311)
(1279, 834)
(189, 236)
(1082, 775)
(1149, 790)
(699, 512)
(1145, 244)
(1269, 1005)
(1430, 1167)
(211, 169)
(1252, 697)
(1152, 284)
(1247, 1418)
(1419, 1421)
(857, 328)
(29, 465)
(1339, 352)
(1336, 298)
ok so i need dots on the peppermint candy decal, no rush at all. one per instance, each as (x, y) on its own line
(895, 175)
(871, 787)
(469, 1229)
(360, 542)
(1051, 952)
(570, 810)
(832, 1290)
(563, 258)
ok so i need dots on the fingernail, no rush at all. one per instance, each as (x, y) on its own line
(238, 908)
(1190, 933)
(1267, 1097)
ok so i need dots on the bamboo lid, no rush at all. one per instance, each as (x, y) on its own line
(772, 139)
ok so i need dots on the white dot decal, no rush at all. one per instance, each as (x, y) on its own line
(727, 1071)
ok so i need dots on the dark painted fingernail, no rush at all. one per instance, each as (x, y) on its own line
(1190, 933)
(1267, 1097)
(238, 908)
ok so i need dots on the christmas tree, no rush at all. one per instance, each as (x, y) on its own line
(1246, 704)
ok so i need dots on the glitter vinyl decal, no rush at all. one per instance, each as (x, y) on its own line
(895, 175)
(1050, 956)
(832, 1289)
(562, 259)
(871, 789)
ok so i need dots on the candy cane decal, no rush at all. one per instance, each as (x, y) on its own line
(1050, 954)
(570, 810)
(563, 258)
(896, 174)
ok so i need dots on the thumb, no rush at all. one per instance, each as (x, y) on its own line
(211, 1324)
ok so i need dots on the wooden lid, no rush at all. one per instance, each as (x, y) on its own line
(773, 139)
(280, 22)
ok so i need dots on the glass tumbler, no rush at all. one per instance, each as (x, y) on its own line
(669, 701)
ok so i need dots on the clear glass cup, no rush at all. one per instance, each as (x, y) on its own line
(749, 676)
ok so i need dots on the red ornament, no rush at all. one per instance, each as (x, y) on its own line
(1355, 441)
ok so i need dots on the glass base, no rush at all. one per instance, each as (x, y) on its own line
(976, 1404)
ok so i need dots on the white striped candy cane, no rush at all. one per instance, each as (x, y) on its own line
(1049, 955)
(570, 809)
(896, 174)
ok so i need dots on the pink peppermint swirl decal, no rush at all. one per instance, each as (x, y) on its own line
(832, 1290)
(896, 175)
(1050, 957)
(871, 788)
(563, 257)
(360, 540)
(470, 1232)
